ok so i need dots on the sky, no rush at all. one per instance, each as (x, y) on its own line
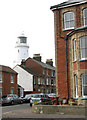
(35, 19)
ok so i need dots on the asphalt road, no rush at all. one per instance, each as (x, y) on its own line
(22, 111)
(13, 108)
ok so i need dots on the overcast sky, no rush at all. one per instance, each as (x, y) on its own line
(35, 18)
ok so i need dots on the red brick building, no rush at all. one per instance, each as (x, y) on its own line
(70, 23)
(43, 74)
(8, 81)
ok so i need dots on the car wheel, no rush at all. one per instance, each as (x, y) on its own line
(21, 101)
(12, 102)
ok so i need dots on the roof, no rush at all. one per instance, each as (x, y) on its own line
(44, 64)
(7, 69)
(28, 70)
(68, 4)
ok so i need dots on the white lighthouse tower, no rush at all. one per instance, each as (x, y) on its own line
(21, 49)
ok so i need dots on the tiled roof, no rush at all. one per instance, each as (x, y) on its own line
(68, 3)
(28, 70)
(7, 69)
(44, 64)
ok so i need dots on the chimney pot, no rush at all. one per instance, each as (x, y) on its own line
(37, 57)
(49, 62)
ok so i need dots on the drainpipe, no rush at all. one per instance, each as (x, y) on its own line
(66, 54)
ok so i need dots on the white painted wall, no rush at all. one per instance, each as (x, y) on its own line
(25, 79)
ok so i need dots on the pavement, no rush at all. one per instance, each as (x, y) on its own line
(27, 113)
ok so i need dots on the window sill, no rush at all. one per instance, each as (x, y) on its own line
(75, 98)
(83, 59)
(74, 61)
(84, 98)
(68, 29)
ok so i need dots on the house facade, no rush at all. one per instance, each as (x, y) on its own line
(43, 74)
(70, 23)
(25, 79)
(8, 81)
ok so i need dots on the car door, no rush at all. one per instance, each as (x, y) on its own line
(16, 99)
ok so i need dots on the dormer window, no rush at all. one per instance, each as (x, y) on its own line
(69, 20)
(85, 16)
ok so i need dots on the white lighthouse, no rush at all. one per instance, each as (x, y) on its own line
(21, 49)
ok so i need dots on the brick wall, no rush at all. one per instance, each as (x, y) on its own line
(7, 85)
(60, 50)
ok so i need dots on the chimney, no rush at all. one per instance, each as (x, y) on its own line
(37, 57)
(23, 62)
(49, 62)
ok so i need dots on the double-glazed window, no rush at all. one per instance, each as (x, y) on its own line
(84, 85)
(74, 49)
(69, 20)
(47, 81)
(83, 47)
(12, 79)
(38, 81)
(12, 90)
(76, 86)
(85, 16)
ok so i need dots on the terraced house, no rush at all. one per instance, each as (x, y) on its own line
(70, 22)
(36, 76)
(8, 81)
(45, 81)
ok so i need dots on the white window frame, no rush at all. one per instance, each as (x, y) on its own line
(12, 90)
(84, 16)
(0, 77)
(76, 86)
(47, 71)
(83, 48)
(12, 79)
(39, 81)
(83, 77)
(68, 20)
(52, 72)
(43, 71)
(47, 81)
(74, 49)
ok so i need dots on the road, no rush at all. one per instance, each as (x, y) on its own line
(25, 111)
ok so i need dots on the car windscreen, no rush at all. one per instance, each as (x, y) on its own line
(4, 96)
(27, 96)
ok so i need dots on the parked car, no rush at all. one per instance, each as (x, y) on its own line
(52, 96)
(40, 98)
(11, 99)
(27, 97)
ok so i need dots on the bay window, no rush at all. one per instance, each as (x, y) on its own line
(83, 47)
(84, 85)
(74, 51)
(76, 86)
